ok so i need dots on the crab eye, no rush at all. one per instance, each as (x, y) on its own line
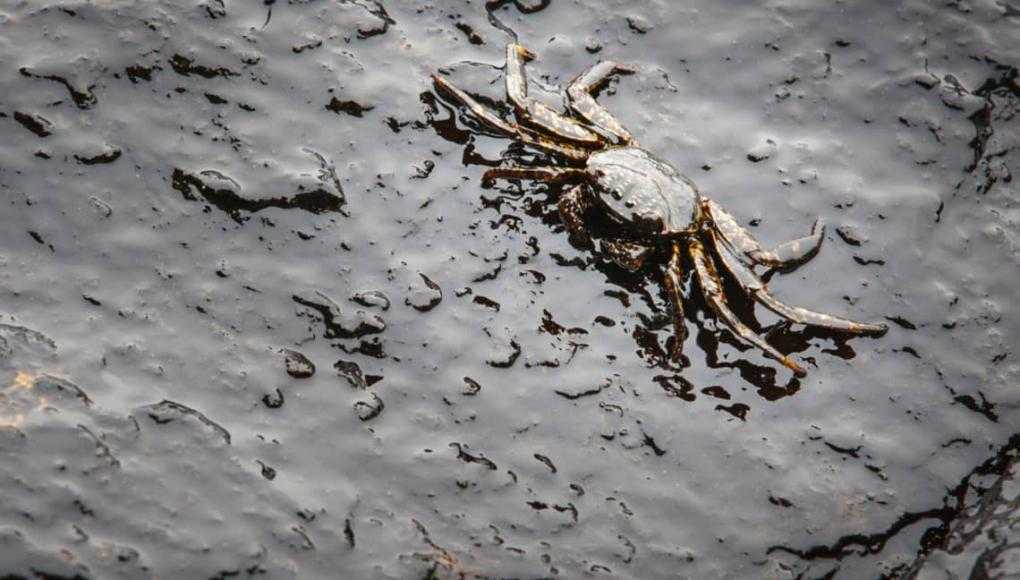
(629, 204)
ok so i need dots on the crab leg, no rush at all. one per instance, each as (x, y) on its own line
(711, 287)
(491, 120)
(796, 252)
(754, 286)
(536, 113)
(627, 255)
(581, 100)
(674, 287)
(548, 174)
(784, 256)
(573, 204)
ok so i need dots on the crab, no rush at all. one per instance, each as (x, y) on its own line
(604, 169)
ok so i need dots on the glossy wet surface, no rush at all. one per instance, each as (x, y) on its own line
(259, 317)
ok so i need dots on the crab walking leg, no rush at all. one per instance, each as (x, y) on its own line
(754, 286)
(674, 287)
(573, 204)
(536, 113)
(784, 256)
(491, 120)
(627, 255)
(581, 100)
(711, 287)
(548, 174)
(796, 252)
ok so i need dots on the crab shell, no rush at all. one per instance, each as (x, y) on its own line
(644, 192)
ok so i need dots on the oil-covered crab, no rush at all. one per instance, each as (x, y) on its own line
(606, 170)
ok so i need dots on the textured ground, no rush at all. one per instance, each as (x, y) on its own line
(203, 200)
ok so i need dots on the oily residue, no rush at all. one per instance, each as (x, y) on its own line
(259, 315)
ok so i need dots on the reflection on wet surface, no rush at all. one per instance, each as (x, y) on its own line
(259, 316)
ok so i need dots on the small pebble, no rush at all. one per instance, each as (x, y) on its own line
(426, 296)
(352, 372)
(762, 151)
(471, 386)
(372, 298)
(639, 24)
(298, 365)
(368, 409)
(273, 400)
(850, 235)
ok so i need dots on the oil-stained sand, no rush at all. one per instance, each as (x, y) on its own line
(193, 192)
